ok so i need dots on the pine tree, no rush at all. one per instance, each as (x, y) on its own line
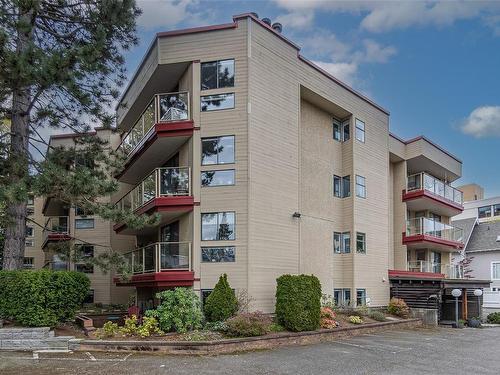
(222, 303)
(61, 66)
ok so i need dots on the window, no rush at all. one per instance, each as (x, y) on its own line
(217, 178)
(30, 231)
(495, 270)
(28, 263)
(31, 200)
(341, 130)
(217, 102)
(342, 242)
(218, 254)
(484, 211)
(84, 254)
(217, 226)
(217, 74)
(346, 186)
(360, 130)
(342, 297)
(80, 211)
(84, 223)
(360, 186)
(217, 150)
(29, 242)
(90, 297)
(337, 183)
(360, 242)
(496, 210)
(360, 297)
(30, 211)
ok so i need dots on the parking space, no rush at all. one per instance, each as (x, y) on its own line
(421, 351)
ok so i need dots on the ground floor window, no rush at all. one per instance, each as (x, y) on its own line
(218, 254)
(90, 297)
(495, 271)
(360, 297)
(342, 297)
(29, 263)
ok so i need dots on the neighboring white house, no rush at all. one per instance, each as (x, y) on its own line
(482, 209)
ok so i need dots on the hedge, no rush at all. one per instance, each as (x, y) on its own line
(221, 303)
(41, 298)
(298, 302)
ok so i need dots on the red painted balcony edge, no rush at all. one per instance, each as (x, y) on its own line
(414, 274)
(158, 279)
(162, 204)
(163, 129)
(56, 237)
(426, 238)
(416, 194)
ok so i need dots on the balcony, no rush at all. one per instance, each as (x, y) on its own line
(56, 229)
(161, 264)
(166, 191)
(449, 271)
(424, 192)
(161, 129)
(426, 233)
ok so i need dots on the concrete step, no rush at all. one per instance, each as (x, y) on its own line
(25, 333)
(51, 343)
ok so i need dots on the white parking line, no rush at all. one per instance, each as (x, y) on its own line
(92, 358)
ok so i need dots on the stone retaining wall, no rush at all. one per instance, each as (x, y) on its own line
(241, 344)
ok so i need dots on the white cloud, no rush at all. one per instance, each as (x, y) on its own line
(346, 72)
(483, 122)
(326, 44)
(168, 13)
(296, 20)
(376, 53)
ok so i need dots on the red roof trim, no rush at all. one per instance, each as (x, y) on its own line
(422, 137)
(416, 194)
(159, 279)
(426, 238)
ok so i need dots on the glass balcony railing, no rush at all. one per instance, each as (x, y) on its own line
(163, 108)
(451, 271)
(56, 225)
(159, 257)
(424, 181)
(433, 228)
(162, 182)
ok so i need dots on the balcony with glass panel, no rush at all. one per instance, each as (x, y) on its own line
(166, 191)
(162, 128)
(449, 271)
(425, 192)
(161, 264)
(56, 229)
(427, 233)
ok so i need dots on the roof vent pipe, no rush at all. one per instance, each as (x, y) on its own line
(277, 27)
(267, 21)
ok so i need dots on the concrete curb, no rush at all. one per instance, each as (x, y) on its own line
(240, 344)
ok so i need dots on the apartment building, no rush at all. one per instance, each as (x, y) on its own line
(92, 234)
(483, 209)
(472, 192)
(260, 163)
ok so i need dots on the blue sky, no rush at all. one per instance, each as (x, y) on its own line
(434, 65)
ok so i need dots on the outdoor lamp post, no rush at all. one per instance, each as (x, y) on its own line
(456, 293)
(478, 293)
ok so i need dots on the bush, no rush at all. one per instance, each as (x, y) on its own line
(328, 318)
(130, 327)
(298, 302)
(149, 327)
(377, 315)
(354, 319)
(398, 307)
(41, 298)
(494, 318)
(109, 329)
(249, 324)
(221, 303)
(216, 326)
(179, 310)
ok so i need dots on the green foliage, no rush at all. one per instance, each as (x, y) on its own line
(355, 319)
(149, 327)
(249, 324)
(494, 318)
(298, 302)
(179, 310)
(41, 298)
(398, 307)
(377, 315)
(109, 329)
(216, 326)
(130, 327)
(276, 327)
(221, 304)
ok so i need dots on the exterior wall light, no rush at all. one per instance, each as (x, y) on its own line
(297, 215)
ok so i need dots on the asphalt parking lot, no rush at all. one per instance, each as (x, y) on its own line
(420, 351)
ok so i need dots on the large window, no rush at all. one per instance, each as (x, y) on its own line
(360, 297)
(496, 210)
(484, 211)
(360, 242)
(80, 211)
(217, 150)
(217, 74)
(360, 130)
(30, 231)
(342, 297)
(217, 178)
(341, 186)
(29, 263)
(217, 226)
(84, 255)
(84, 223)
(495, 270)
(346, 186)
(217, 102)
(341, 130)
(218, 254)
(342, 242)
(360, 186)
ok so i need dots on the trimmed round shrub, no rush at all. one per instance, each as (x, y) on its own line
(221, 303)
(494, 318)
(377, 315)
(298, 302)
(398, 307)
(248, 324)
(41, 298)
